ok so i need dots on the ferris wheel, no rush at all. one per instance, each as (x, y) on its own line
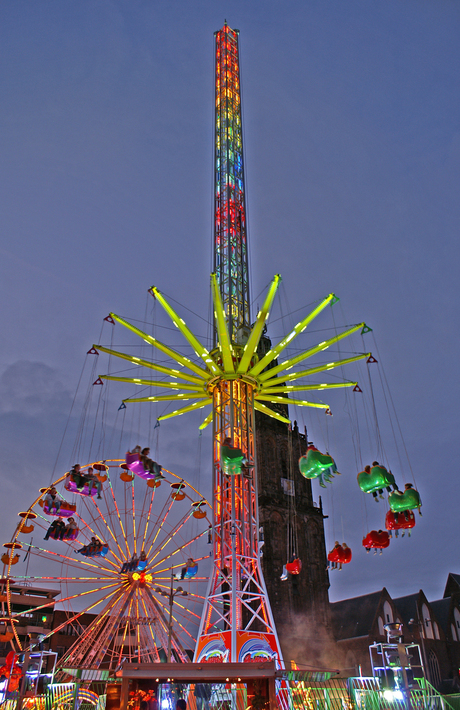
(129, 551)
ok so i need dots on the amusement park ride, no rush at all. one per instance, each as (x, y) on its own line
(139, 531)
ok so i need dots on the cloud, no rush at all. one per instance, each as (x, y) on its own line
(32, 388)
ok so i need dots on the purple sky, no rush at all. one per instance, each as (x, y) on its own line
(352, 141)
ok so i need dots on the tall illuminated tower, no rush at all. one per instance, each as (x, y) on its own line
(230, 235)
(237, 602)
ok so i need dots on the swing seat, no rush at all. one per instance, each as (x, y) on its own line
(141, 565)
(98, 553)
(177, 492)
(334, 555)
(27, 517)
(154, 482)
(191, 572)
(395, 521)
(314, 463)
(199, 514)
(409, 500)
(126, 477)
(73, 535)
(71, 486)
(294, 567)
(377, 479)
(27, 529)
(376, 540)
(345, 555)
(134, 463)
(6, 559)
(101, 471)
(65, 511)
(232, 460)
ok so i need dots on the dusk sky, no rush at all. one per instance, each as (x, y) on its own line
(352, 147)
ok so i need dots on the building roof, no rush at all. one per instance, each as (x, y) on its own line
(407, 607)
(441, 609)
(355, 617)
(452, 585)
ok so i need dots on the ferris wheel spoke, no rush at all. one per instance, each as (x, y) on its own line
(102, 521)
(125, 632)
(178, 550)
(152, 497)
(74, 580)
(159, 522)
(70, 561)
(173, 531)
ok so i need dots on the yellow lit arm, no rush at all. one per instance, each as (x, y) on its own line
(274, 352)
(269, 412)
(308, 353)
(207, 421)
(300, 388)
(285, 400)
(222, 330)
(167, 398)
(314, 370)
(256, 332)
(164, 348)
(187, 333)
(190, 408)
(153, 383)
(152, 365)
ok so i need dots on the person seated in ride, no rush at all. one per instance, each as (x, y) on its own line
(97, 547)
(77, 477)
(149, 464)
(388, 476)
(68, 529)
(189, 565)
(130, 565)
(52, 500)
(56, 528)
(292, 566)
(142, 564)
(93, 482)
(407, 487)
(233, 459)
(89, 550)
(337, 548)
(344, 548)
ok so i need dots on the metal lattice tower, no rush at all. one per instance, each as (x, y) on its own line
(237, 602)
(230, 235)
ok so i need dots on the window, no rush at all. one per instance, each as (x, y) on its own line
(433, 667)
(427, 623)
(381, 629)
(457, 618)
(388, 613)
(453, 632)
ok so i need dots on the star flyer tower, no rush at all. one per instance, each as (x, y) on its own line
(237, 600)
(237, 623)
